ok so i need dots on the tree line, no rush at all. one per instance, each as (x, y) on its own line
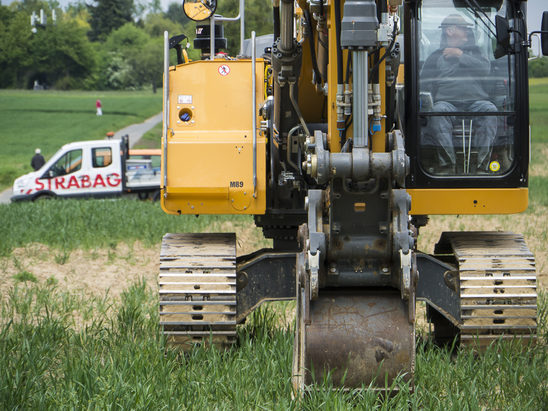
(538, 67)
(111, 44)
(108, 45)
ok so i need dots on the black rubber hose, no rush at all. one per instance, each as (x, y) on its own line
(317, 75)
(276, 15)
(383, 8)
(338, 40)
(348, 69)
(387, 51)
(375, 73)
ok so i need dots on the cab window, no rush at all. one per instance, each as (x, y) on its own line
(101, 157)
(466, 94)
(69, 163)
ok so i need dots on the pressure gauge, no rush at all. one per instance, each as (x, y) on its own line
(199, 10)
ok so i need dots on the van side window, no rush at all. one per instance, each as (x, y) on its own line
(69, 163)
(101, 157)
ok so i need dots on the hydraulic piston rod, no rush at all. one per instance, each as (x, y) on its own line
(359, 86)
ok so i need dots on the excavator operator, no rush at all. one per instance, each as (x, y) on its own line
(453, 79)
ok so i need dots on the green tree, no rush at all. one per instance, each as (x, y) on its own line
(62, 55)
(15, 47)
(57, 55)
(156, 24)
(121, 58)
(148, 63)
(538, 67)
(119, 74)
(258, 18)
(79, 12)
(155, 6)
(121, 55)
(108, 15)
(127, 39)
(175, 13)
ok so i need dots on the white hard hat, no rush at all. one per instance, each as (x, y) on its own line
(456, 20)
(37, 151)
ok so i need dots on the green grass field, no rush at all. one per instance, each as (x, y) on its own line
(87, 224)
(538, 97)
(61, 350)
(49, 119)
(538, 181)
(152, 138)
(74, 349)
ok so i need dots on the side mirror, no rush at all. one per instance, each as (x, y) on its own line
(199, 10)
(544, 34)
(503, 36)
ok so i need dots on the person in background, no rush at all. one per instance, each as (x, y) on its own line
(99, 107)
(37, 160)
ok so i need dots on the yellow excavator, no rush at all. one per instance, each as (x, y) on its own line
(340, 133)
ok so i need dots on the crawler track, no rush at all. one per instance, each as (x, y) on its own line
(497, 285)
(197, 286)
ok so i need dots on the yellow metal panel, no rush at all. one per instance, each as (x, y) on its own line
(468, 201)
(401, 73)
(210, 156)
(310, 100)
(378, 139)
(332, 132)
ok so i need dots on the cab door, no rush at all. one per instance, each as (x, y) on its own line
(105, 170)
(466, 108)
(64, 176)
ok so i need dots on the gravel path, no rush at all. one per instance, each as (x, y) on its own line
(135, 132)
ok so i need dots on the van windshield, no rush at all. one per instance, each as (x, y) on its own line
(69, 163)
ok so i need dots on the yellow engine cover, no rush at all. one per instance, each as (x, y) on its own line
(210, 139)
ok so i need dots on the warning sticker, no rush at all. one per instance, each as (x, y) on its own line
(184, 99)
(224, 70)
(494, 166)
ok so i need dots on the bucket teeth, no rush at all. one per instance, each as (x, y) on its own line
(197, 289)
(497, 286)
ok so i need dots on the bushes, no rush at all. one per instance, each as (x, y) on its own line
(538, 67)
(102, 47)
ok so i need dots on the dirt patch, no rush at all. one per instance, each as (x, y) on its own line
(101, 271)
(95, 272)
(248, 237)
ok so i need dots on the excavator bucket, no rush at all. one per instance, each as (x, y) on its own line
(356, 338)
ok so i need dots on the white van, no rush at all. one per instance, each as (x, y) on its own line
(101, 168)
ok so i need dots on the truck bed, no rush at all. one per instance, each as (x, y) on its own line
(140, 173)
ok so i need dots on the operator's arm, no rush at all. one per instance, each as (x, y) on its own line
(429, 73)
(475, 62)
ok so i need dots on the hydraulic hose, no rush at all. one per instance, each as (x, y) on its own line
(317, 75)
(276, 22)
(338, 41)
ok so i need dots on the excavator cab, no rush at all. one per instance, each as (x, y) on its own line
(340, 159)
(466, 118)
(458, 72)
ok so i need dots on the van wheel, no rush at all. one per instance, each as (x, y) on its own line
(143, 195)
(156, 195)
(43, 197)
